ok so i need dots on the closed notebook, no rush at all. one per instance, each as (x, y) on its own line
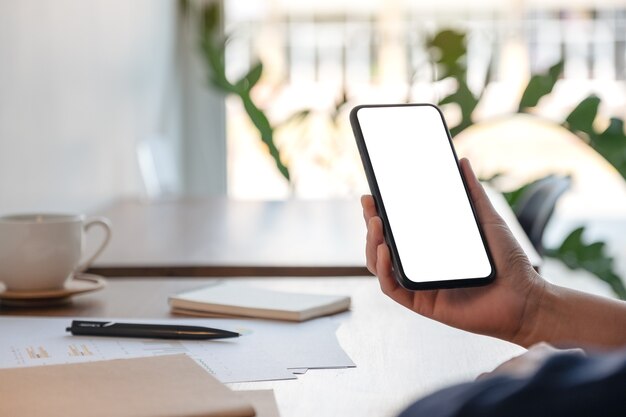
(160, 386)
(234, 299)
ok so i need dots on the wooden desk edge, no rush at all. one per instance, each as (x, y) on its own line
(233, 271)
(229, 271)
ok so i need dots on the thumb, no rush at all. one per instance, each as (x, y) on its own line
(484, 209)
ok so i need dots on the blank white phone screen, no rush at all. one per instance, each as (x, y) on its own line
(427, 207)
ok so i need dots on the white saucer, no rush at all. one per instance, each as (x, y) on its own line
(80, 284)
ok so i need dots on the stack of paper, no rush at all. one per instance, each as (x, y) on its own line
(234, 299)
(267, 350)
(172, 385)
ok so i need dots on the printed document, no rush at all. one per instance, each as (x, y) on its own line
(265, 351)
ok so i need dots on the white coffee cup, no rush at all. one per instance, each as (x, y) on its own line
(42, 251)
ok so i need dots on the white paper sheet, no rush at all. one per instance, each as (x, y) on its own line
(265, 350)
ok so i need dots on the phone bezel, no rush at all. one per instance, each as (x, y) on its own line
(380, 206)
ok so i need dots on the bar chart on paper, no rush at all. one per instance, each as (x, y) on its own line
(27, 353)
(79, 350)
(37, 353)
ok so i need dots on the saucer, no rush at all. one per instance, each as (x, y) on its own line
(80, 284)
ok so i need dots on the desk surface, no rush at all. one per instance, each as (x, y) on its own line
(400, 356)
(221, 237)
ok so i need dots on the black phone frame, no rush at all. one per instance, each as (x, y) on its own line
(380, 206)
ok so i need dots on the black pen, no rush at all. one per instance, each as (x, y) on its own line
(158, 331)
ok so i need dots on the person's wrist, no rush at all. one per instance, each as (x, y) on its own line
(537, 318)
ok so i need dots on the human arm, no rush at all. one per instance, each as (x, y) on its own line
(519, 306)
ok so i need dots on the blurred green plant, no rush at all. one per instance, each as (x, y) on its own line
(576, 254)
(212, 46)
(448, 52)
(610, 143)
(213, 42)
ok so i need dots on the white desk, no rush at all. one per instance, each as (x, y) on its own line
(400, 356)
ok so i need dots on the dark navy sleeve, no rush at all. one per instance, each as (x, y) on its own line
(566, 385)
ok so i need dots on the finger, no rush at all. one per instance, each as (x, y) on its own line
(369, 207)
(383, 269)
(388, 283)
(482, 376)
(546, 349)
(374, 238)
(542, 346)
(484, 209)
(505, 248)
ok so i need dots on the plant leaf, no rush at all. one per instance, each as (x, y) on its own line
(447, 48)
(339, 106)
(611, 144)
(582, 117)
(212, 45)
(262, 124)
(539, 86)
(248, 81)
(464, 98)
(211, 16)
(293, 118)
(574, 253)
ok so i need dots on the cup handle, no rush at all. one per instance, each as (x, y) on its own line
(89, 223)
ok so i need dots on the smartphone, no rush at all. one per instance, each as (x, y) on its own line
(429, 221)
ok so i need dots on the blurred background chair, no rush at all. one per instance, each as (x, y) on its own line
(536, 206)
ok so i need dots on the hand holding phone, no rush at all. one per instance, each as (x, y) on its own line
(429, 222)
